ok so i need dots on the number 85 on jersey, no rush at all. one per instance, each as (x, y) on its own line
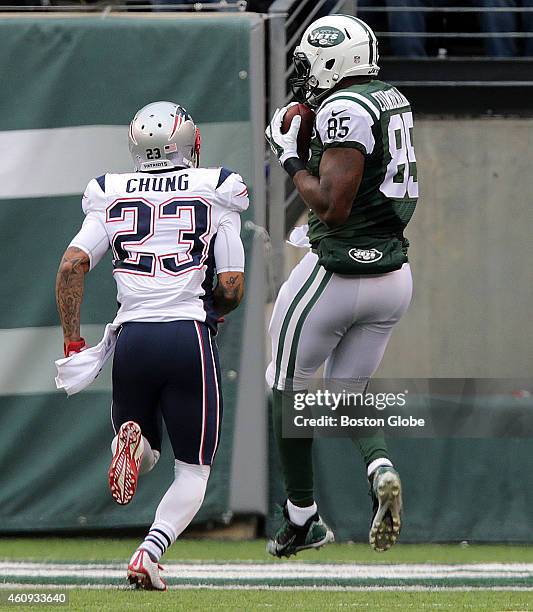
(400, 180)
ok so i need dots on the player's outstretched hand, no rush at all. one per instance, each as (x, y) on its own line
(284, 146)
(74, 347)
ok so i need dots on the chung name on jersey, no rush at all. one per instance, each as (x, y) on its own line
(155, 183)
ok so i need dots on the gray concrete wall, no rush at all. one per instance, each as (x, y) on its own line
(471, 253)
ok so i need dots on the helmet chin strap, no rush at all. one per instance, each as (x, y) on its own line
(318, 96)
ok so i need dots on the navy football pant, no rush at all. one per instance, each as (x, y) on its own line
(169, 371)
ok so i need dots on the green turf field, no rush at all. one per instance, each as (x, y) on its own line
(240, 576)
(108, 549)
(196, 599)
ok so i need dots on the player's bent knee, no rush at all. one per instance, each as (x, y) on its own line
(196, 477)
(192, 470)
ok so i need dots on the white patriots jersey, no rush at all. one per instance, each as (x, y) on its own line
(169, 233)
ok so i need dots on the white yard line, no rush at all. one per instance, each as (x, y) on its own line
(241, 572)
(250, 587)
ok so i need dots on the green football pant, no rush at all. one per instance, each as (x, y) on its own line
(296, 454)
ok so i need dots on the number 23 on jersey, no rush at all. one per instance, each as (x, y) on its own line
(192, 225)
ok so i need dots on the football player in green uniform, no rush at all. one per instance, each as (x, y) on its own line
(341, 302)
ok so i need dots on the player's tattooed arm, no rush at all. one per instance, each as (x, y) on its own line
(69, 291)
(332, 194)
(228, 292)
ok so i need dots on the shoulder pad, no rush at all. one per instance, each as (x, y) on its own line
(101, 181)
(94, 195)
(343, 122)
(231, 191)
(357, 103)
(224, 174)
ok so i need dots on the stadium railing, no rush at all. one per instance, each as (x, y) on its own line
(465, 27)
(109, 6)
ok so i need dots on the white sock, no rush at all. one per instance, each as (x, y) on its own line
(299, 516)
(158, 539)
(373, 465)
(150, 457)
(177, 508)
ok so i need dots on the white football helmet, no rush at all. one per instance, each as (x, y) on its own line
(163, 135)
(332, 48)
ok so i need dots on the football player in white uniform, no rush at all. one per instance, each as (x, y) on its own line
(170, 225)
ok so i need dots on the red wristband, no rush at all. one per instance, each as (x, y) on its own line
(74, 347)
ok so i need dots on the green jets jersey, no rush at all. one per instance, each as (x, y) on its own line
(376, 119)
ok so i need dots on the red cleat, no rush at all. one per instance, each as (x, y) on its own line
(124, 469)
(144, 573)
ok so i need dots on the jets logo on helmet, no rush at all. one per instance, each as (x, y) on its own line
(332, 48)
(163, 135)
(325, 37)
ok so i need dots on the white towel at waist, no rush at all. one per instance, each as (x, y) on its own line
(78, 371)
(298, 237)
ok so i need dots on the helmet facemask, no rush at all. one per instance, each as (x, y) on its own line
(196, 151)
(304, 86)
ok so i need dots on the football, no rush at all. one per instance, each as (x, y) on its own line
(306, 127)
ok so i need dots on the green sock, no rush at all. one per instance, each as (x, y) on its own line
(296, 455)
(372, 447)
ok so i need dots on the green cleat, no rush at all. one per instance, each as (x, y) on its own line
(386, 492)
(291, 539)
